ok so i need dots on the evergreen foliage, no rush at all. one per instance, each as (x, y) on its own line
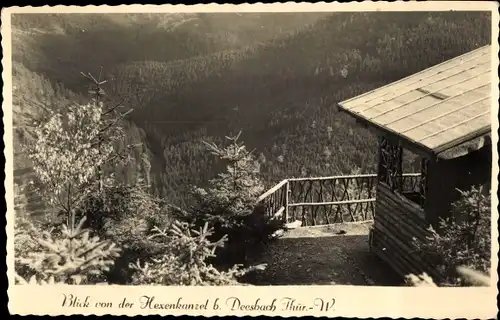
(233, 193)
(71, 259)
(125, 214)
(464, 239)
(184, 259)
(467, 275)
(70, 173)
(66, 152)
(229, 205)
(25, 233)
(274, 91)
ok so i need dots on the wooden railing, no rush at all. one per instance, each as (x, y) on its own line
(275, 200)
(327, 200)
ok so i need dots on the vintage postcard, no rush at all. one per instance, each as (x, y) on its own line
(259, 159)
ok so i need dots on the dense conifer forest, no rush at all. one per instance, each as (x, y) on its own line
(275, 77)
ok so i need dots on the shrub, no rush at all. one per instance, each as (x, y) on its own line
(66, 152)
(184, 259)
(125, 215)
(75, 258)
(229, 205)
(467, 275)
(422, 280)
(25, 233)
(464, 239)
(70, 148)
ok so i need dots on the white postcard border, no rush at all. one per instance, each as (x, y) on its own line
(350, 301)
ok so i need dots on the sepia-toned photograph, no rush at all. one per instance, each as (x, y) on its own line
(252, 149)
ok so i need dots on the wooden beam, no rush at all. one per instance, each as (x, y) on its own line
(300, 204)
(371, 175)
(463, 139)
(272, 190)
(404, 142)
(279, 212)
(354, 176)
(384, 189)
(361, 123)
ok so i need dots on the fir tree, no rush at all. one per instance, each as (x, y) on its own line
(230, 205)
(70, 259)
(233, 193)
(69, 150)
(184, 259)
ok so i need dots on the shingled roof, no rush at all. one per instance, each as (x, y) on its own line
(436, 109)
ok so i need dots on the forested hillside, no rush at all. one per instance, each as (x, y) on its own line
(282, 93)
(275, 77)
(61, 45)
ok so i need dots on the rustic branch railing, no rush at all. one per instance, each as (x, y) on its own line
(327, 200)
(275, 200)
(411, 182)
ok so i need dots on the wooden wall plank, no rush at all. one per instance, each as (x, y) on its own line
(397, 223)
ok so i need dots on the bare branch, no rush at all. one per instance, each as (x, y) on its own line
(92, 78)
(100, 73)
(120, 117)
(113, 108)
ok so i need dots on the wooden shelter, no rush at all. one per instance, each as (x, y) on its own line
(442, 114)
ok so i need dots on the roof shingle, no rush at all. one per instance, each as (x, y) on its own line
(436, 109)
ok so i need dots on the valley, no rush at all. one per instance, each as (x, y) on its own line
(201, 77)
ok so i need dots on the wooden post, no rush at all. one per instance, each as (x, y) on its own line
(423, 181)
(399, 168)
(382, 165)
(287, 192)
